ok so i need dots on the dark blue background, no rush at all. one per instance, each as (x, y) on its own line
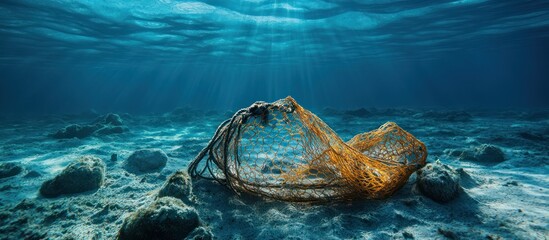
(508, 76)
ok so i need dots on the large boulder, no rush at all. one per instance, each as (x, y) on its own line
(146, 160)
(85, 174)
(438, 181)
(166, 218)
(178, 186)
(9, 169)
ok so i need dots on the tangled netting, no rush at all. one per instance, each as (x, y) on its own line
(282, 151)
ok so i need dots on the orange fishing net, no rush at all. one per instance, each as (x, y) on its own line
(282, 151)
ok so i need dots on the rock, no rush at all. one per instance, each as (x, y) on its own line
(489, 153)
(200, 233)
(449, 116)
(466, 180)
(113, 119)
(407, 235)
(146, 160)
(531, 136)
(114, 157)
(177, 186)
(9, 170)
(75, 131)
(85, 174)
(447, 233)
(32, 174)
(461, 154)
(165, 218)
(361, 112)
(110, 124)
(438, 182)
(108, 130)
(484, 153)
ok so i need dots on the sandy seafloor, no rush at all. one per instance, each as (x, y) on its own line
(508, 200)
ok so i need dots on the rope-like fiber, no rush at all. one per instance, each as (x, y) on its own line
(282, 151)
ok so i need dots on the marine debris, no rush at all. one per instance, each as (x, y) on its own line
(280, 150)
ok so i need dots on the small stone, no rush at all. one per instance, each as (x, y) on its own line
(85, 174)
(9, 170)
(166, 218)
(511, 183)
(177, 186)
(438, 182)
(146, 160)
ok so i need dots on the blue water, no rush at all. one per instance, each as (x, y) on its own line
(153, 56)
(468, 78)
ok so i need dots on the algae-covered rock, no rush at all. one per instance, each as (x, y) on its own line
(178, 186)
(166, 218)
(438, 181)
(85, 174)
(489, 153)
(146, 160)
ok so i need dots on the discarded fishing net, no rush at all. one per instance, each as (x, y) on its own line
(282, 151)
